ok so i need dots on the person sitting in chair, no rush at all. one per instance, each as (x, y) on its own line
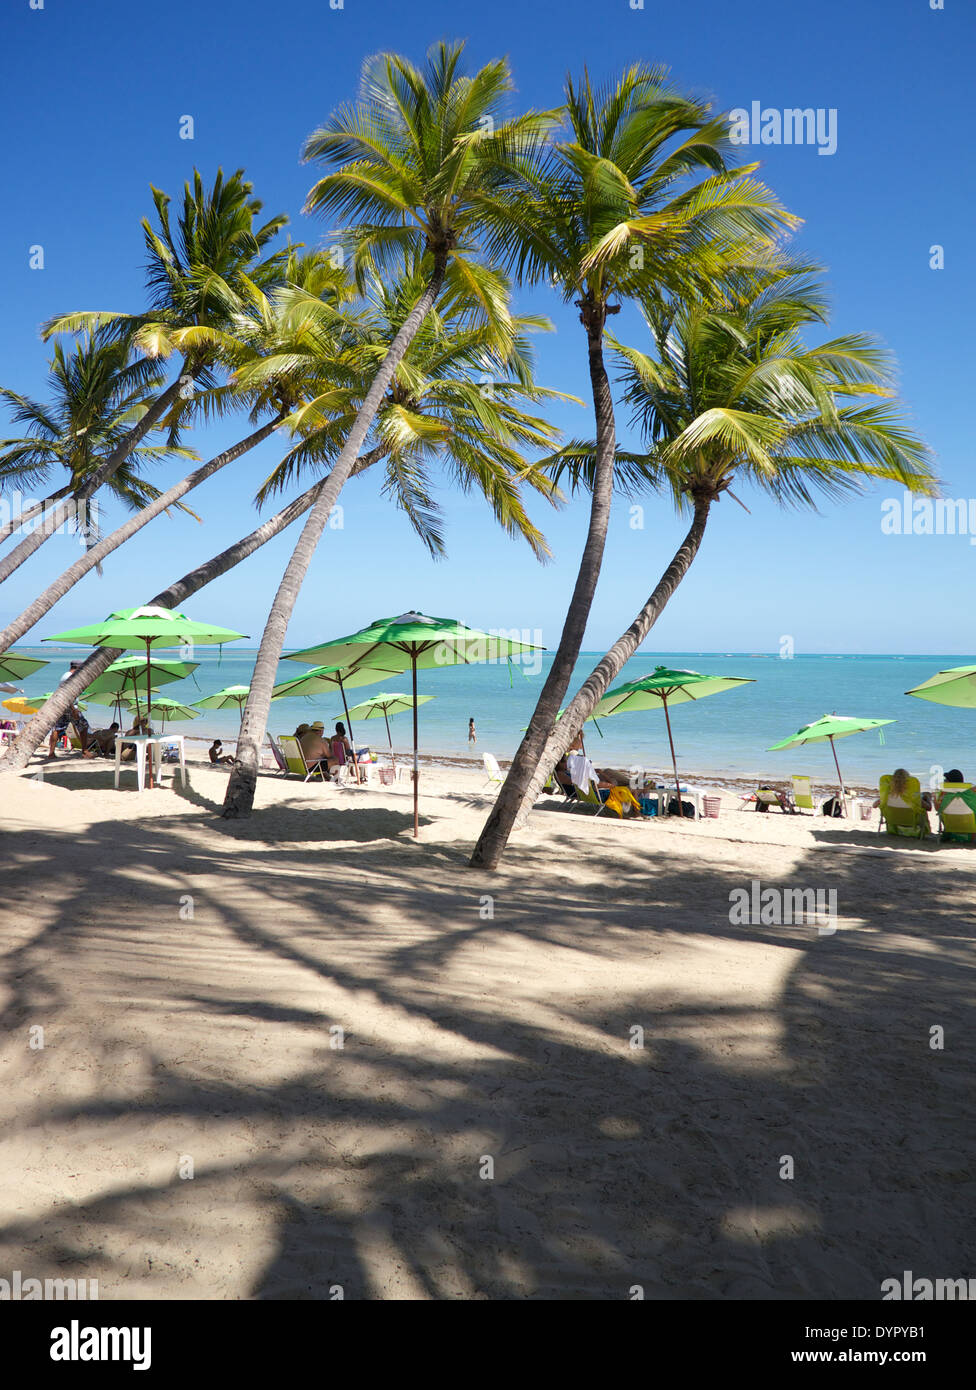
(104, 741)
(316, 751)
(898, 786)
(956, 779)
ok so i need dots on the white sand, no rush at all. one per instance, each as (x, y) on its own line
(470, 1036)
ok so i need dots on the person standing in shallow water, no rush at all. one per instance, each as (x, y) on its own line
(472, 736)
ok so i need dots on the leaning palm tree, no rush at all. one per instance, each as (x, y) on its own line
(199, 272)
(412, 160)
(254, 335)
(440, 415)
(456, 404)
(733, 394)
(636, 198)
(173, 595)
(96, 393)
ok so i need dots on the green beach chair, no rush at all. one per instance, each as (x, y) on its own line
(902, 814)
(291, 751)
(493, 772)
(957, 812)
(803, 798)
(590, 797)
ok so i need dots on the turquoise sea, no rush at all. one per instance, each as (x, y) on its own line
(724, 735)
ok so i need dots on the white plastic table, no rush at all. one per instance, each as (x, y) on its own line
(665, 794)
(142, 743)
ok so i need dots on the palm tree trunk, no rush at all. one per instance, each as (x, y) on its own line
(50, 712)
(242, 782)
(28, 513)
(605, 672)
(498, 826)
(53, 519)
(51, 595)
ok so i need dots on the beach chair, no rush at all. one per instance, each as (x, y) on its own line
(904, 814)
(495, 775)
(583, 774)
(765, 797)
(279, 757)
(590, 797)
(803, 798)
(957, 816)
(291, 751)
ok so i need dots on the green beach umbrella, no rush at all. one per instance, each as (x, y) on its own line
(231, 697)
(15, 668)
(955, 686)
(40, 699)
(826, 730)
(411, 641)
(162, 708)
(384, 705)
(662, 688)
(332, 678)
(121, 679)
(150, 627)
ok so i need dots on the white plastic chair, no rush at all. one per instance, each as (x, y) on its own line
(495, 775)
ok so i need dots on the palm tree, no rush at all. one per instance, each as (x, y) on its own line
(733, 393)
(456, 400)
(252, 336)
(199, 273)
(30, 739)
(637, 198)
(413, 158)
(96, 393)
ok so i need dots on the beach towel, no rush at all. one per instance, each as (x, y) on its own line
(619, 797)
(582, 771)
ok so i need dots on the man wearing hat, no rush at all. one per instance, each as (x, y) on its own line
(313, 745)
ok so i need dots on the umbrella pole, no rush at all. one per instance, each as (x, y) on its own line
(843, 793)
(149, 707)
(352, 741)
(674, 763)
(416, 771)
(389, 736)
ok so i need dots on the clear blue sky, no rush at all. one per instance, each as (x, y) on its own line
(92, 95)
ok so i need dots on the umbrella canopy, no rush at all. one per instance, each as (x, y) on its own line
(120, 680)
(411, 641)
(662, 688)
(331, 678)
(231, 697)
(15, 668)
(825, 730)
(147, 627)
(955, 686)
(21, 704)
(382, 706)
(9, 689)
(162, 709)
(30, 704)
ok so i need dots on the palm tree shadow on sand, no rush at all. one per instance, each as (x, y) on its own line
(361, 1169)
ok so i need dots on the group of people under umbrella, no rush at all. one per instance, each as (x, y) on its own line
(390, 647)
